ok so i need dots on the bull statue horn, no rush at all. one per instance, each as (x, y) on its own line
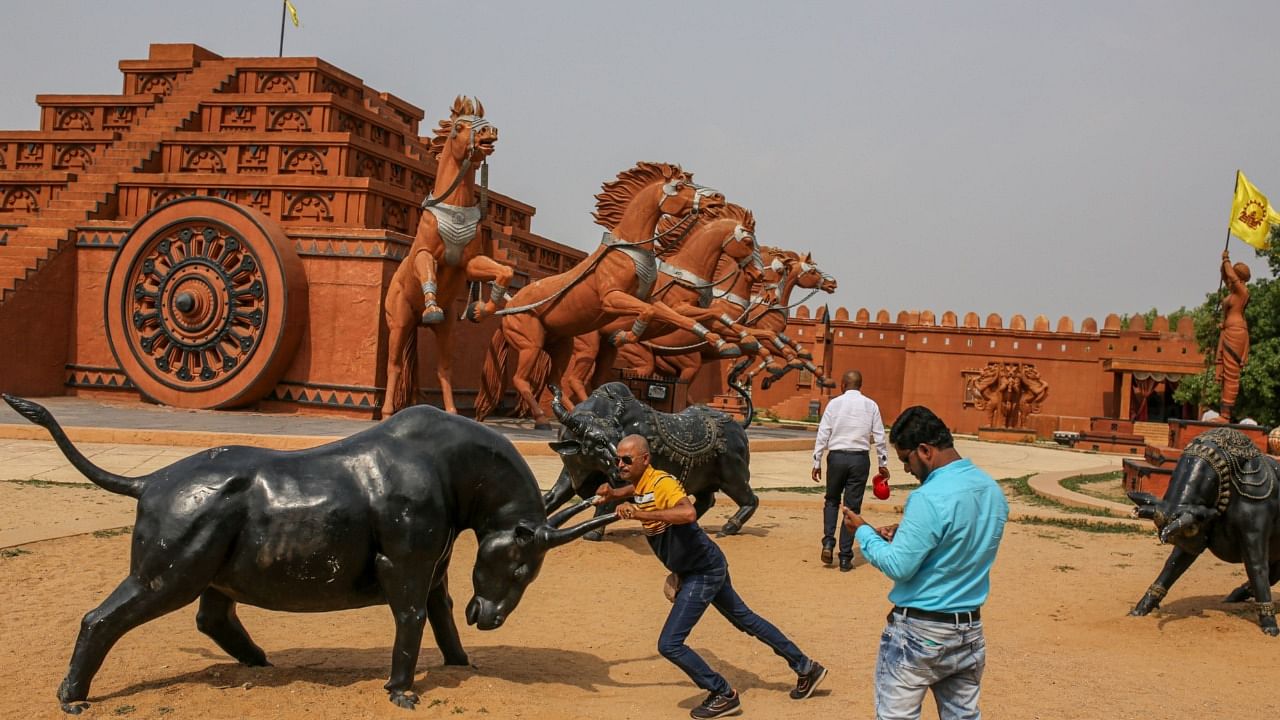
(551, 537)
(1175, 526)
(561, 517)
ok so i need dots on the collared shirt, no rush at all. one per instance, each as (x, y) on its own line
(941, 556)
(681, 548)
(851, 422)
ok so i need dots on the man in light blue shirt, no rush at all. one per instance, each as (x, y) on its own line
(939, 559)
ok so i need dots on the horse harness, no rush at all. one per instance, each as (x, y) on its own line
(457, 223)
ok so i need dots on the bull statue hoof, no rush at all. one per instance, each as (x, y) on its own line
(74, 708)
(1271, 630)
(730, 528)
(1240, 594)
(594, 536)
(406, 699)
(432, 316)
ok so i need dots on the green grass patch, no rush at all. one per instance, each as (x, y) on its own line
(37, 483)
(814, 489)
(1084, 484)
(13, 552)
(1020, 488)
(113, 532)
(1118, 528)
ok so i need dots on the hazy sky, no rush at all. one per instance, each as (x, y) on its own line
(1060, 157)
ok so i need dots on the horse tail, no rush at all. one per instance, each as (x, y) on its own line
(538, 381)
(111, 482)
(405, 393)
(493, 376)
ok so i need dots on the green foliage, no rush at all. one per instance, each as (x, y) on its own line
(1260, 381)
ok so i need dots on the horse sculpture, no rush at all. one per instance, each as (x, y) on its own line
(1223, 497)
(720, 250)
(614, 281)
(787, 272)
(448, 251)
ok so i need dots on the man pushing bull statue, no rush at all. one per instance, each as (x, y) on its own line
(700, 576)
(367, 520)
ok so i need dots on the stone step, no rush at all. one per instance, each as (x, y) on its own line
(1161, 455)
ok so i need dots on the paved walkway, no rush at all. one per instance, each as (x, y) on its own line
(133, 439)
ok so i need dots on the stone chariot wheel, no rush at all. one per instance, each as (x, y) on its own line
(205, 304)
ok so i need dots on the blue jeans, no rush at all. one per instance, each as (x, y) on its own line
(916, 655)
(697, 592)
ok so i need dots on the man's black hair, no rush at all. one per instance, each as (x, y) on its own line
(918, 425)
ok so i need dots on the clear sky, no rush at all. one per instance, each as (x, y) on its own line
(1068, 158)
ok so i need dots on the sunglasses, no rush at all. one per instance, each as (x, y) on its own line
(625, 459)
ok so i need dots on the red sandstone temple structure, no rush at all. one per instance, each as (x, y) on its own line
(306, 185)
(222, 233)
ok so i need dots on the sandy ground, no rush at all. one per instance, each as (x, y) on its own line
(582, 643)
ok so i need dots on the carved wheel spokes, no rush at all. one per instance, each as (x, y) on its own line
(197, 304)
(206, 302)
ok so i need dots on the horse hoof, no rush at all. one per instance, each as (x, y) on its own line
(766, 383)
(542, 426)
(750, 347)
(1271, 630)
(475, 312)
(432, 316)
(730, 351)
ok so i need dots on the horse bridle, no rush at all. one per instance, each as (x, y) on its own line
(475, 122)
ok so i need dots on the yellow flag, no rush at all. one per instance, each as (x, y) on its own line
(1251, 214)
(293, 12)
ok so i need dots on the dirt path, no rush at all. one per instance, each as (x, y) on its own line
(582, 644)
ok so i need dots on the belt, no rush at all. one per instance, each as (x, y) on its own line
(955, 618)
(853, 452)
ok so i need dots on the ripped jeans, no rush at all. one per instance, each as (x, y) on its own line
(916, 655)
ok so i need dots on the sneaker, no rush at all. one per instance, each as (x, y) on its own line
(828, 553)
(806, 683)
(718, 706)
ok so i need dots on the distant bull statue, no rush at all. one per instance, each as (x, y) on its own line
(367, 520)
(704, 448)
(1223, 497)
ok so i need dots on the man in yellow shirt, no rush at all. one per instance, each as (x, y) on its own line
(670, 523)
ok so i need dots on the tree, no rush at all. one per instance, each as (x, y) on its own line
(1260, 380)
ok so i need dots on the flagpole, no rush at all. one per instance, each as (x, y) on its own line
(284, 8)
(1217, 309)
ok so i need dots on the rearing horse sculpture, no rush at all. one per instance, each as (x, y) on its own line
(785, 274)
(448, 251)
(615, 280)
(719, 251)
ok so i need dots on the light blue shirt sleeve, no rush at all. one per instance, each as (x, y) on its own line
(919, 532)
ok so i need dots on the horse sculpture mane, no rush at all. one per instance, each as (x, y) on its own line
(462, 105)
(616, 195)
(672, 242)
(736, 212)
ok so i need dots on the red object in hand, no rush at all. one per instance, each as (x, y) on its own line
(880, 487)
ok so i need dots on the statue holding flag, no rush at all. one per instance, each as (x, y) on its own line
(1251, 221)
(1233, 336)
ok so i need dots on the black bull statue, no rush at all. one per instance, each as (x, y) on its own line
(367, 520)
(702, 447)
(1223, 497)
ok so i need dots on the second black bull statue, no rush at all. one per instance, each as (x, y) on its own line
(368, 520)
(1223, 497)
(702, 447)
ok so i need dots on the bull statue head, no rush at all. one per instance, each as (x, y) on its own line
(590, 436)
(1194, 497)
(508, 560)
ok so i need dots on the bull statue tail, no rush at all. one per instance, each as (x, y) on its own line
(746, 397)
(111, 482)
(493, 376)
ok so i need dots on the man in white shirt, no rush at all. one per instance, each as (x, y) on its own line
(850, 425)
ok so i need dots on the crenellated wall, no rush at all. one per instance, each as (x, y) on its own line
(921, 358)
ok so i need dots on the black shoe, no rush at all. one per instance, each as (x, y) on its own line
(806, 683)
(828, 553)
(846, 564)
(718, 706)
